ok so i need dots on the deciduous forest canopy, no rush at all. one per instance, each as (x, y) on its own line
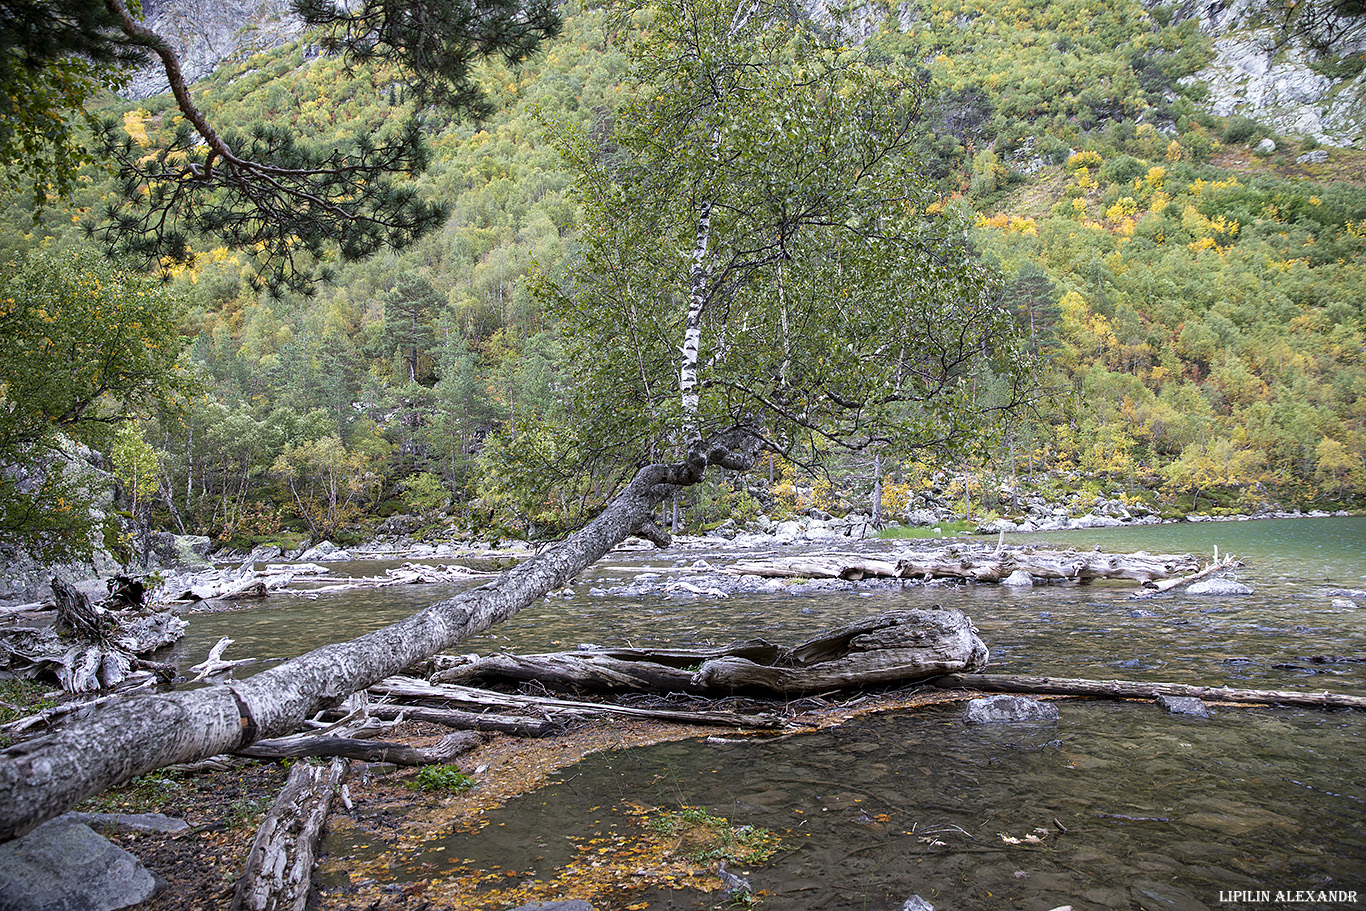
(1196, 307)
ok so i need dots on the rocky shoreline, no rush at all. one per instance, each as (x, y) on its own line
(179, 557)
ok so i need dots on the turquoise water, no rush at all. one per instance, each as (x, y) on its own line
(1160, 812)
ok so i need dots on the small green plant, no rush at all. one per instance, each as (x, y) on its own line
(442, 778)
(22, 697)
(247, 812)
(704, 838)
(145, 794)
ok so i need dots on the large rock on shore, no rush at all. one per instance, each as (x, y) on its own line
(64, 865)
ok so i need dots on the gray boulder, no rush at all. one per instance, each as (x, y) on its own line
(1218, 587)
(64, 865)
(1019, 578)
(1317, 156)
(1183, 705)
(1010, 710)
(185, 553)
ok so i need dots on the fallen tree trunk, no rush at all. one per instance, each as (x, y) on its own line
(893, 647)
(470, 721)
(411, 688)
(449, 747)
(1128, 689)
(44, 777)
(279, 868)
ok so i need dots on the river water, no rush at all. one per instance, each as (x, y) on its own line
(1119, 805)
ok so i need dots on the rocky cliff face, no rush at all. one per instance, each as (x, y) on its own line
(1257, 75)
(207, 32)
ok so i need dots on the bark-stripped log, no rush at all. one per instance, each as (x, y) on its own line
(411, 688)
(449, 747)
(894, 647)
(44, 777)
(1129, 689)
(279, 868)
(470, 721)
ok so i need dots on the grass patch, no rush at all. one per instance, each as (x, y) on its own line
(443, 778)
(942, 530)
(20, 698)
(704, 838)
(152, 793)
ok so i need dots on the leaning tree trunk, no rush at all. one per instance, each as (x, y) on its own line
(44, 777)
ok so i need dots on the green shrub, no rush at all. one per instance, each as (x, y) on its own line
(1240, 130)
(442, 778)
(1123, 170)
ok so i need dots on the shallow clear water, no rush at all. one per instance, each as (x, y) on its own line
(1160, 811)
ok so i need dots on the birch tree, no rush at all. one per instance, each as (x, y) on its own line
(758, 266)
(760, 250)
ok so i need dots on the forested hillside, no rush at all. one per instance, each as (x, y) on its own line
(1197, 295)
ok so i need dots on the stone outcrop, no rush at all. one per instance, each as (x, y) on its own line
(1258, 75)
(207, 34)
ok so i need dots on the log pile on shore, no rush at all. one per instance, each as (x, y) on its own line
(978, 564)
(94, 645)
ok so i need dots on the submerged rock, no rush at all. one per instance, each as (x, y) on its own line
(1218, 587)
(1010, 710)
(1183, 705)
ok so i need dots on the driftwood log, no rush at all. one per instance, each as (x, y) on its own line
(1128, 689)
(279, 868)
(559, 709)
(471, 721)
(449, 747)
(94, 646)
(246, 582)
(975, 565)
(894, 647)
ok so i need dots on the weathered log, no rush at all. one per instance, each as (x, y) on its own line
(470, 721)
(571, 670)
(46, 776)
(1153, 587)
(1128, 689)
(411, 688)
(449, 747)
(894, 647)
(279, 867)
(214, 667)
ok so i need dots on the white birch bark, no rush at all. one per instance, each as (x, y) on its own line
(692, 328)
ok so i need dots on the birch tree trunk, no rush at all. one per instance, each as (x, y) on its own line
(41, 778)
(692, 331)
